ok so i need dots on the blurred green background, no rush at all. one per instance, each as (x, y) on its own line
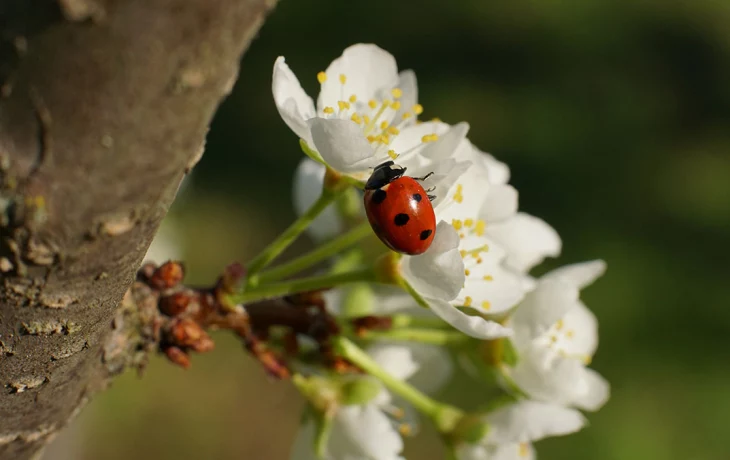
(614, 116)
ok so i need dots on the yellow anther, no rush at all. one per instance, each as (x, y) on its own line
(463, 253)
(435, 119)
(372, 104)
(479, 229)
(468, 222)
(486, 305)
(395, 105)
(356, 118)
(353, 99)
(524, 449)
(480, 260)
(459, 195)
(467, 301)
(570, 334)
(456, 223)
(488, 278)
(554, 338)
(462, 236)
(393, 130)
(387, 102)
(430, 138)
(321, 77)
(405, 429)
(392, 154)
(396, 92)
(343, 78)
(467, 272)
(371, 138)
(559, 325)
(417, 109)
(383, 125)
(587, 359)
(343, 105)
(366, 119)
(328, 110)
(407, 115)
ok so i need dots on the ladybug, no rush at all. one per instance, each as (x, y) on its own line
(399, 209)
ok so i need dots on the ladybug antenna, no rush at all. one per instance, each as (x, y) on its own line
(424, 177)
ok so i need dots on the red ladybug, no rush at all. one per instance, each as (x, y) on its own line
(399, 209)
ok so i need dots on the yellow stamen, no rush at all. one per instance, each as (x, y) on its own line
(343, 78)
(321, 77)
(366, 119)
(430, 138)
(407, 115)
(356, 118)
(479, 229)
(383, 124)
(405, 429)
(468, 222)
(524, 449)
(459, 195)
(463, 253)
(392, 154)
(570, 334)
(343, 105)
(486, 305)
(479, 260)
(559, 325)
(488, 278)
(467, 272)
(456, 223)
(371, 138)
(396, 92)
(395, 105)
(417, 109)
(328, 110)
(435, 119)
(393, 130)
(372, 104)
(467, 301)
(353, 99)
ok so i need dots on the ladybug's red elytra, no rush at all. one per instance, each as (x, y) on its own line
(399, 209)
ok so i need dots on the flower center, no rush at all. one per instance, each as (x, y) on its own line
(561, 339)
(381, 118)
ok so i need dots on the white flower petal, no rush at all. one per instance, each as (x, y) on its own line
(531, 421)
(438, 272)
(598, 392)
(527, 240)
(514, 451)
(341, 144)
(293, 104)
(543, 307)
(303, 447)
(368, 70)
(579, 275)
(546, 376)
(447, 143)
(497, 172)
(474, 326)
(396, 359)
(500, 203)
(408, 84)
(581, 326)
(364, 432)
(308, 180)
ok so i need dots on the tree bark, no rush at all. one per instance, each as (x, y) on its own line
(104, 106)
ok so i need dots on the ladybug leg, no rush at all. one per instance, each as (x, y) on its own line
(431, 197)
(431, 189)
(424, 177)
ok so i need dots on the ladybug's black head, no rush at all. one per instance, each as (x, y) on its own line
(384, 174)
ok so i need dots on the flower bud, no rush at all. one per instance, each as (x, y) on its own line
(359, 391)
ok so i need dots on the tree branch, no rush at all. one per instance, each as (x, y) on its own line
(104, 106)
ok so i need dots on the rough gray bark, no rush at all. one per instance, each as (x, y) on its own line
(104, 105)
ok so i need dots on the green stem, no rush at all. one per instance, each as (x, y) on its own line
(277, 246)
(403, 320)
(319, 254)
(313, 283)
(445, 417)
(430, 336)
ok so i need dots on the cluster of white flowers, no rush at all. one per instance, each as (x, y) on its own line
(475, 276)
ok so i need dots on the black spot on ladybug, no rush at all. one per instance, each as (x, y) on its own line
(379, 196)
(401, 219)
(425, 234)
(417, 197)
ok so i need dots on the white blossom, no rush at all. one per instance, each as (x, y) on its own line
(556, 336)
(513, 428)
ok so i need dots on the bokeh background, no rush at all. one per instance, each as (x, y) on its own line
(614, 116)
